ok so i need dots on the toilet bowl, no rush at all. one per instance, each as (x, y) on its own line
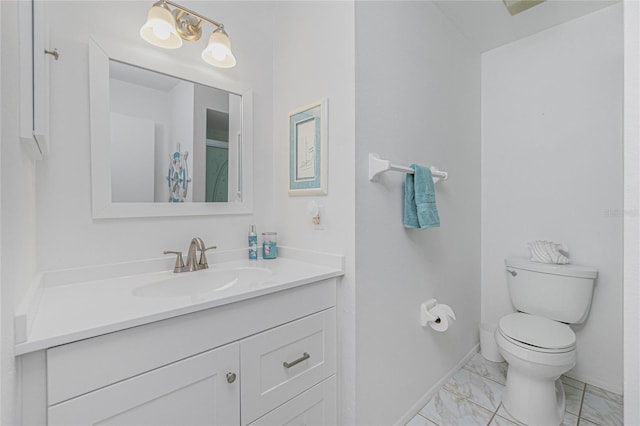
(538, 351)
(536, 341)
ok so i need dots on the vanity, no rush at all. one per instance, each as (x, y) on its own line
(258, 347)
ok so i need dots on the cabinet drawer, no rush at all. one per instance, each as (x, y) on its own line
(281, 363)
(315, 407)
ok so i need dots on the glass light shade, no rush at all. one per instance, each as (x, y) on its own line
(218, 51)
(160, 28)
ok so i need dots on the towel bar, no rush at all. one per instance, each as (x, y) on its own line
(378, 166)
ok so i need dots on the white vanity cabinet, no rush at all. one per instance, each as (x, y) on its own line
(314, 407)
(281, 363)
(267, 360)
(200, 390)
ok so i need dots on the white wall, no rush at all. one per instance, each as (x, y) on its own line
(17, 211)
(552, 169)
(2, 310)
(139, 101)
(632, 212)
(313, 59)
(417, 100)
(132, 158)
(67, 235)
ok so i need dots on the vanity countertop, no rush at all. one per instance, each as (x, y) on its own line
(70, 305)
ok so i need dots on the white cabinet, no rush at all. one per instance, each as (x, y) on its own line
(34, 77)
(281, 363)
(314, 407)
(201, 390)
(267, 360)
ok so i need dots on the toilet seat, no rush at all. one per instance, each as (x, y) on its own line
(537, 333)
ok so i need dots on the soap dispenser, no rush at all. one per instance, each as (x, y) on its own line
(253, 243)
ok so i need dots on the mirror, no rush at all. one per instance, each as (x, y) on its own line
(166, 139)
(172, 140)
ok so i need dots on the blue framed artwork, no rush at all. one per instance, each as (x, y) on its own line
(308, 150)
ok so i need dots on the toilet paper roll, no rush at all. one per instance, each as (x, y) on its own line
(442, 313)
(440, 325)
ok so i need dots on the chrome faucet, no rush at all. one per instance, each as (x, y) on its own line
(192, 265)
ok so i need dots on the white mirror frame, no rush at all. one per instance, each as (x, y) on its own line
(102, 205)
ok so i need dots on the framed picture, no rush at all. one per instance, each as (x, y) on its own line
(308, 150)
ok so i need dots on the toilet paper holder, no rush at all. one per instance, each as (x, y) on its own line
(430, 314)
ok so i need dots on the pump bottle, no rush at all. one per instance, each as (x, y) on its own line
(253, 243)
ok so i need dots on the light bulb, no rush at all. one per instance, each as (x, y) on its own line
(161, 29)
(219, 52)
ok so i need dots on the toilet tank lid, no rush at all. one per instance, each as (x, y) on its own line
(569, 270)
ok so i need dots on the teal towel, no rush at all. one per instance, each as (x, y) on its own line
(420, 209)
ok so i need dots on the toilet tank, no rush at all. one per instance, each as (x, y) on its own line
(558, 292)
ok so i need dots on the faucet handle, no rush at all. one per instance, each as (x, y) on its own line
(179, 267)
(203, 259)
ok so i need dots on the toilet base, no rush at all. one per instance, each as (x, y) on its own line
(532, 401)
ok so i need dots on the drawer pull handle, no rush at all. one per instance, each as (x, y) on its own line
(231, 377)
(305, 356)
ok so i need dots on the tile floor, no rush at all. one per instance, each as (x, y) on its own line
(473, 397)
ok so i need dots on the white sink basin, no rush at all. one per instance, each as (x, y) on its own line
(199, 283)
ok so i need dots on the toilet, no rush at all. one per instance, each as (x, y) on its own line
(536, 341)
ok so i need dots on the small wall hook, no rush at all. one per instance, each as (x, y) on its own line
(53, 53)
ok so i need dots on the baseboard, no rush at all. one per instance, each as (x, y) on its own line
(597, 383)
(415, 408)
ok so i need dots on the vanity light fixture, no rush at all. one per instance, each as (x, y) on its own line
(167, 28)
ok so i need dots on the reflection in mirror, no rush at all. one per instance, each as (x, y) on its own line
(217, 156)
(172, 140)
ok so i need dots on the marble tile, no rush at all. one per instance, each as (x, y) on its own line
(569, 420)
(484, 392)
(601, 410)
(604, 394)
(418, 420)
(447, 408)
(473, 393)
(501, 421)
(573, 398)
(585, 422)
(496, 371)
(572, 382)
(504, 414)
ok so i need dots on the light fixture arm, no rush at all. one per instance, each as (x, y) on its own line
(201, 18)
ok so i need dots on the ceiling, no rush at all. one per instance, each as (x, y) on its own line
(488, 24)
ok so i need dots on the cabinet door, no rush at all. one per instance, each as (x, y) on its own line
(315, 407)
(194, 391)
